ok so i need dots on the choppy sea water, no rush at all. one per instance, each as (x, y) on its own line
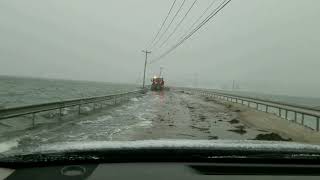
(295, 100)
(18, 91)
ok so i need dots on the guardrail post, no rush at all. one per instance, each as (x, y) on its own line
(79, 109)
(279, 112)
(286, 115)
(302, 119)
(248, 103)
(115, 100)
(318, 123)
(295, 116)
(257, 106)
(33, 120)
(267, 108)
(60, 113)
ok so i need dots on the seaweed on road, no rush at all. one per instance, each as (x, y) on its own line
(239, 129)
(234, 121)
(213, 137)
(202, 117)
(271, 137)
(204, 129)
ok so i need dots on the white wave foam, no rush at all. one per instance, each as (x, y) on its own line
(86, 108)
(140, 117)
(65, 111)
(7, 145)
(144, 124)
(103, 118)
(134, 99)
(85, 122)
(98, 120)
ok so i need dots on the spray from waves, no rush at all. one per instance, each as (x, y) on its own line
(134, 99)
(144, 124)
(100, 119)
(7, 145)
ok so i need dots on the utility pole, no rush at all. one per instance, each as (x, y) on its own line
(145, 67)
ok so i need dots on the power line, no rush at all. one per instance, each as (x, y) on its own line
(221, 6)
(174, 17)
(163, 23)
(200, 17)
(176, 28)
(196, 21)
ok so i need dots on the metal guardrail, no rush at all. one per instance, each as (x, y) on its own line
(265, 105)
(33, 109)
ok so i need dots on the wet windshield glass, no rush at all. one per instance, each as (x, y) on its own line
(90, 71)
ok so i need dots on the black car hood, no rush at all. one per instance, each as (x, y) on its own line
(158, 151)
(239, 145)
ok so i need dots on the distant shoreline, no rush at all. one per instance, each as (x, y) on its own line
(60, 79)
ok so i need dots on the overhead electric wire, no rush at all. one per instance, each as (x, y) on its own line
(209, 17)
(201, 16)
(174, 17)
(178, 25)
(163, 23)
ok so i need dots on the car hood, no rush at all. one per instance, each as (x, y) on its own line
(239, 145)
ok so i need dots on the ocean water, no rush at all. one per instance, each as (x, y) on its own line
(294, 100)
(18, 91)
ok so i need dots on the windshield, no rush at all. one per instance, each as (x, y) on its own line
(76, 72)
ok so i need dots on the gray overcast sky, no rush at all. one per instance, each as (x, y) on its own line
(264, 45)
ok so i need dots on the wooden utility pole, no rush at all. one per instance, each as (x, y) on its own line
(145, 67)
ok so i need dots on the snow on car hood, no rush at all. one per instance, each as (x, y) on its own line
(242, 145)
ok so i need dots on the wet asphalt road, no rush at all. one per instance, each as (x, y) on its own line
(157, 115)
(181, 116)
